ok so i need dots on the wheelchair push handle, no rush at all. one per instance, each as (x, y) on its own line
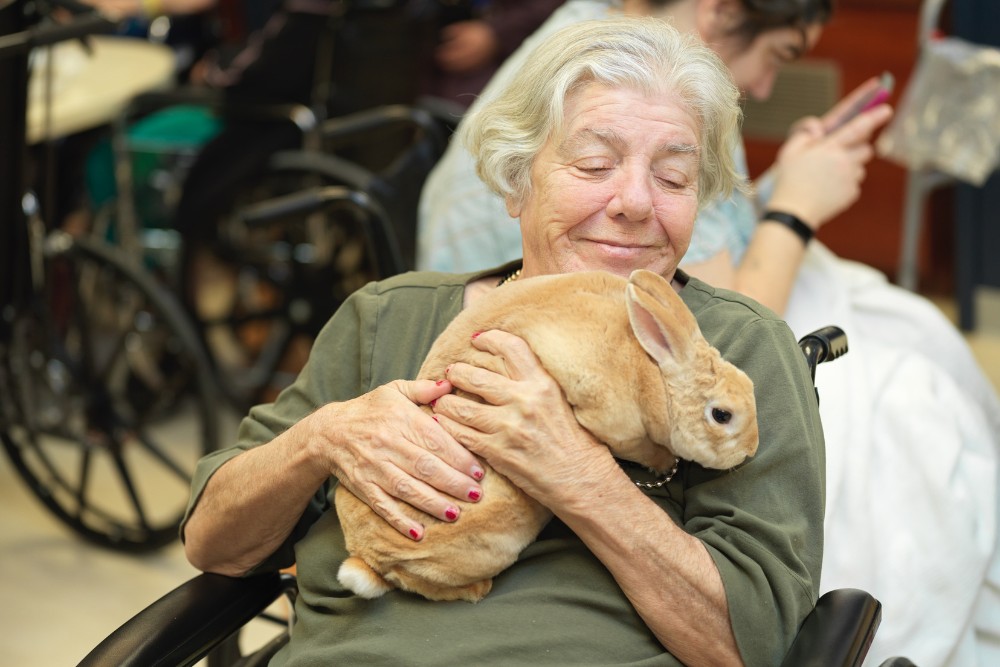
(824, 344)
(374, 220)
(303, 203)
(86, 22)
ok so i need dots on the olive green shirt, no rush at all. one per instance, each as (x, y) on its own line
(558, 605)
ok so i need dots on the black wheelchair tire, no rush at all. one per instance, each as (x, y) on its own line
(106, 390)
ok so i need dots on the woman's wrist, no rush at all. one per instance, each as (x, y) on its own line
(791, 221)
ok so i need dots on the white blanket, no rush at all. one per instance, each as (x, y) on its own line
(911, 429)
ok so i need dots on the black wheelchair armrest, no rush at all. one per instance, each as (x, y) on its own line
(218, 103)
(837, 632)
(185, 624)
(347, 129)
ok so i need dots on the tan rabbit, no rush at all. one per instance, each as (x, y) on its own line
(641, 378)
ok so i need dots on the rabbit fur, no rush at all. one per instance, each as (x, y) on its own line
(631, 361)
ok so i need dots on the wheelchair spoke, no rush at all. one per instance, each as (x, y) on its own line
(158, 452)
(133, 494)
(102, 341)
(115, 350)
(83, 482)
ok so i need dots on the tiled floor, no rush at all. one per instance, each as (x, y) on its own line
(61, 596)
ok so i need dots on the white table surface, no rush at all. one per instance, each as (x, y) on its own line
(91, 89)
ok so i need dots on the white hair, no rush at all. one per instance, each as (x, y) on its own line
(642, 54)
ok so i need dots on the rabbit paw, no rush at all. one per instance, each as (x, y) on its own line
(356, 575)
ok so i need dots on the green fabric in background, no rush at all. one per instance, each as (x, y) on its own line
(162, 147)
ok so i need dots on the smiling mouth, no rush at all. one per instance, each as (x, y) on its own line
(618, 248)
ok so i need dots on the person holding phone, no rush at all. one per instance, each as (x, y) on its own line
(755, 245)
(922, 538)
(909, 419)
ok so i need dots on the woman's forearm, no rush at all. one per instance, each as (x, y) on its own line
(668, 575)
(381, 445)
(770, 266)
(252, 503)
(767, 272)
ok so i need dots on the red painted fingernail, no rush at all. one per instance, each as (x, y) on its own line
(477, 473)
(440, 382)
(451, 513)
(477, 334)
(433, 403)
(435, 418)
(474, 494)
(414, 533)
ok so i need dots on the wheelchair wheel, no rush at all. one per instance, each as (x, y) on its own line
(107, 400)
(261, 291)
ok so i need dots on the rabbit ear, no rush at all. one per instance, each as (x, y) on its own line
(661, 321)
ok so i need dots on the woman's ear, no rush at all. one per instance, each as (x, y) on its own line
(513, 205)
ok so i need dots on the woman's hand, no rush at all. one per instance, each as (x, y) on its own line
(525, 430)
(388, 451)
(840, 113)
(815, 127)
(149, 8)
(819, 175)
(382, 446)
(466, 46)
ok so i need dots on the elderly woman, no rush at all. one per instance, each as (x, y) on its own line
(603, 146)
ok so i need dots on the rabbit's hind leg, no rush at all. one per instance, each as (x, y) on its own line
(432, 590)
(356, 575)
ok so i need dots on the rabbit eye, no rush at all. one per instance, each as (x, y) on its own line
(721, 416)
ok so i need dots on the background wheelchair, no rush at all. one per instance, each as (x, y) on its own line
(111, 371)
(106, 406)
(339, 173)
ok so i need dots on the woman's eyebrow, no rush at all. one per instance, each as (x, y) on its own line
(611, 138)
(587, 137)
(680, 149)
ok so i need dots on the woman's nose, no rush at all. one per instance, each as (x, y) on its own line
(633, 197)
(763, 87)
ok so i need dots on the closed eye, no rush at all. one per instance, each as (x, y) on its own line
(674, 179)
(672, 183)
(594, 165)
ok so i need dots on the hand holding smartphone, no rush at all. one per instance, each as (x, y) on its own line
(873, 98)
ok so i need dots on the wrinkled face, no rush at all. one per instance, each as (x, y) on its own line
(755, 65)
(616, 190)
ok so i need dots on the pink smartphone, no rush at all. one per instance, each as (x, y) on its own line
(876, 96)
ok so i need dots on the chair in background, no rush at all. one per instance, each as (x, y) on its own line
(947, 132)
(292, 207)
(308, 231)
(920, 182)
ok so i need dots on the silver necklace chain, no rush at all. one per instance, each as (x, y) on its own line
(658, 483)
